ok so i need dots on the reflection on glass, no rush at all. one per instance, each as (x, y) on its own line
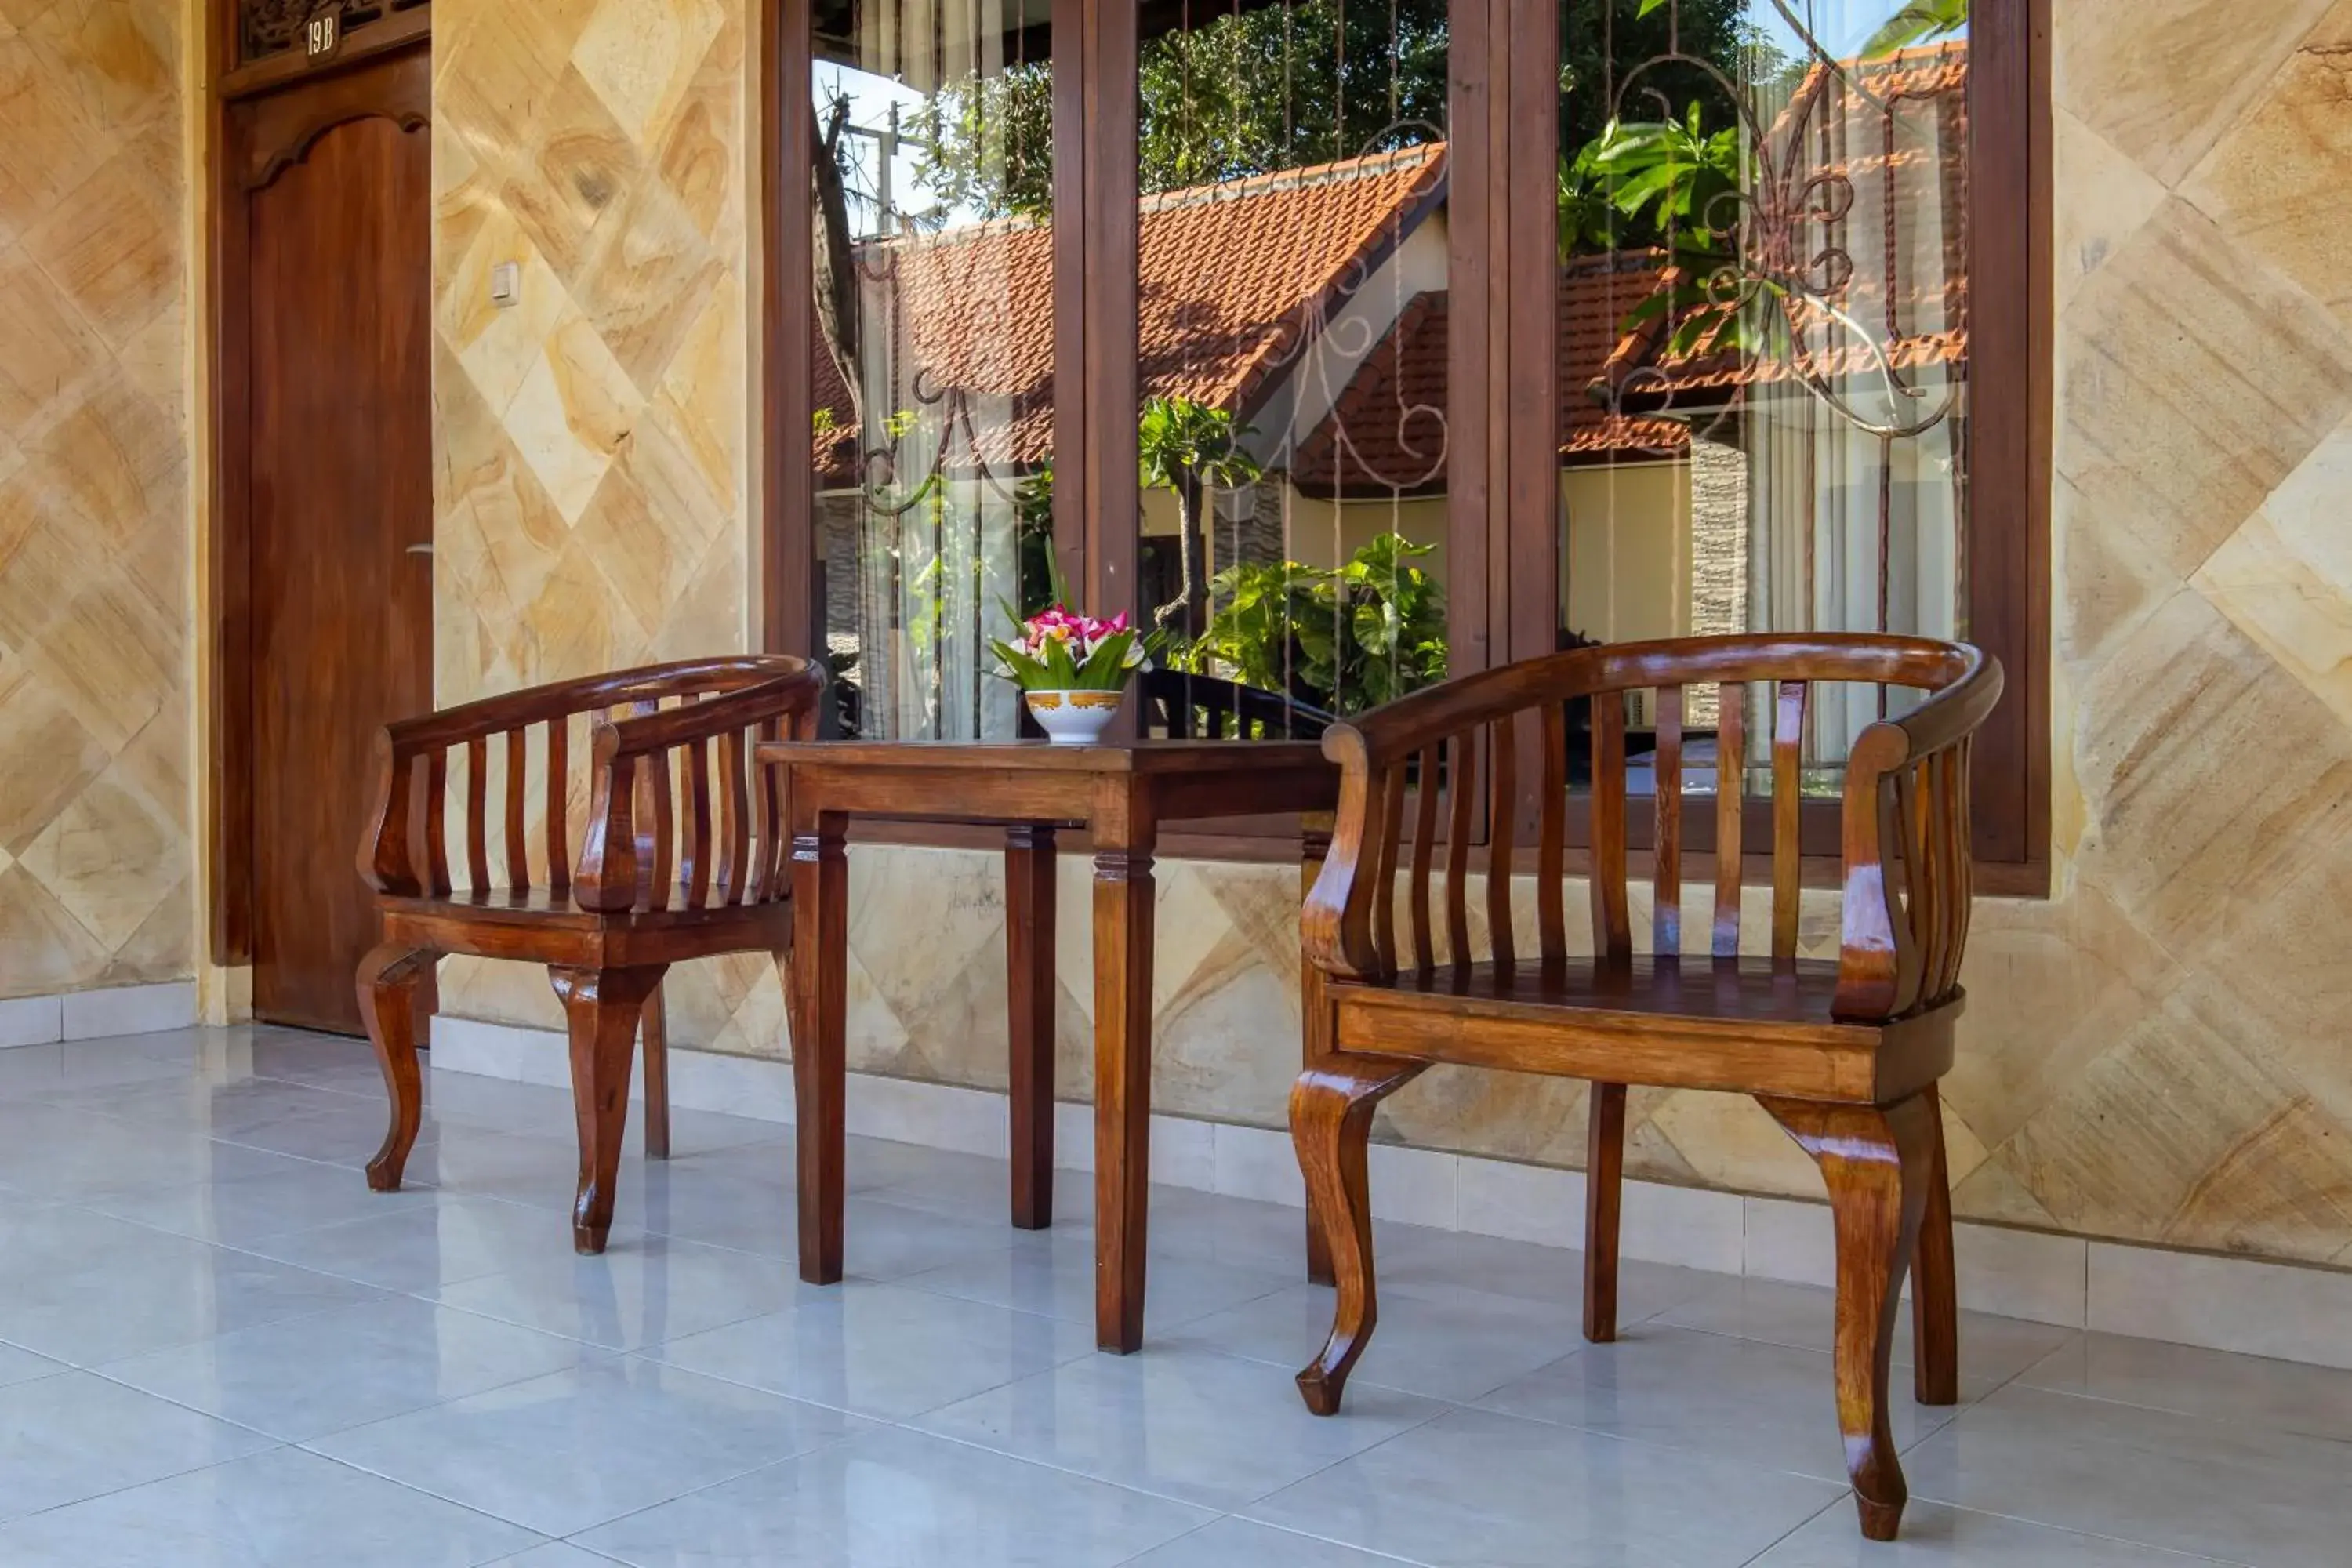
(933, 351)
(1292, 339)
(1763, 313)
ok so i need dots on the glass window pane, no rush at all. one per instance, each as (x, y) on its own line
(1764, 333)
(1292, 319)
(933, 351)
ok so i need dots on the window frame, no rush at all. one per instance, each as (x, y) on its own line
(1503, 543)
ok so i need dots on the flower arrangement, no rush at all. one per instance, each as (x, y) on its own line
(1055, 650)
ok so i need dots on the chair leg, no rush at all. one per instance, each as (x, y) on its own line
(603, 1007)
(1605, 1183)
(390, 981)
(1331, 1123)
(1934, 1303)
(653, 1035)
(1875, 1161)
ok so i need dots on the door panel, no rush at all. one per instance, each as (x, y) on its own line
(338, 283)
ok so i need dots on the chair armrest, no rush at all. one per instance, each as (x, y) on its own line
(1906, 792)
(607, 877)
(1335, 921)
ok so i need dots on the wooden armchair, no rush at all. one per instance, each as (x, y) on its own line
(1843, 1055)
(656, 881)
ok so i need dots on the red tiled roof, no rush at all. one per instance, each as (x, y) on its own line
(1230, 278)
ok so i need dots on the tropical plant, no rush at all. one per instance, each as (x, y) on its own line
(1919, 22)
(1186, 448)
(1347, 639)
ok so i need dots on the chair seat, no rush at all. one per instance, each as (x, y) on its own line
(1750, 1028)
(541, 927)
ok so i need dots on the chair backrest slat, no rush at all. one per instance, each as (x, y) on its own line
(1551, 841)
(1612, 925)
(1788, 799)
(1731, 789)
(1424, 853)
(773, 856)
(1384, 868)
(1666, 841)
(436, 821)
(477, 811)
(654, 818)
(1502, 813)
(734, 820)
(694, 856)
(518, 845)
(559, 787)
(1463, 788)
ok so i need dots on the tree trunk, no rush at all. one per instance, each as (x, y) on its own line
(1186, 615)
(835, 274)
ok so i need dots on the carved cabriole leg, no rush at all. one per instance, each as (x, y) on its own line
(1876, 1160)
(602, 1006)
(1604, 1186)
(817, 983)
(1029, 1009)
(1317, 1021)
(654, 1031)
(1934, 1303)
(390, 980)
(1331, 1110)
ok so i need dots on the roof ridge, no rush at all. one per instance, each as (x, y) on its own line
(1368, 166)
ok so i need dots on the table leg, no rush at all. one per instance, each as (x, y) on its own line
(1122, 936)
(820, 965)
(1314, 1009)
(1029, 1007)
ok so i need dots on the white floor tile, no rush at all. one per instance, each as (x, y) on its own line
(308, 1376)
(900, 1497)
(1760, 1403)
(1181, 1422)
(1478, 1488)
(1994, 1349)
(562, 1453)
(76, 1435)
(1935, 1536)
(2238, 1493)
(278, 1510)
(1446, 1344)
(881, 1351)
(2280, 1395)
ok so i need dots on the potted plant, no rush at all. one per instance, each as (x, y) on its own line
(1071, 670)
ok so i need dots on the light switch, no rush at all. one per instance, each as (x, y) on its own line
(506, 283)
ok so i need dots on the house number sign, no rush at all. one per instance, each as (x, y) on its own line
(322, 35)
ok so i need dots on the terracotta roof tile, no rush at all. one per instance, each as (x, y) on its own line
(1230, 278)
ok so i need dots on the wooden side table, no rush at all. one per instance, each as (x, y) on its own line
(1119, 793)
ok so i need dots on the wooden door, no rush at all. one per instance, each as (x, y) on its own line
(338, 478)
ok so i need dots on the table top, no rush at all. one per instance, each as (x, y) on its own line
(1152, 757)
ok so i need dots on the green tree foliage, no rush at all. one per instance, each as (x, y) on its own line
(1920, 22)
(1285, 85)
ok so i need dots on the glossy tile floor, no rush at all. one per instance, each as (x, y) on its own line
(221, 1351)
